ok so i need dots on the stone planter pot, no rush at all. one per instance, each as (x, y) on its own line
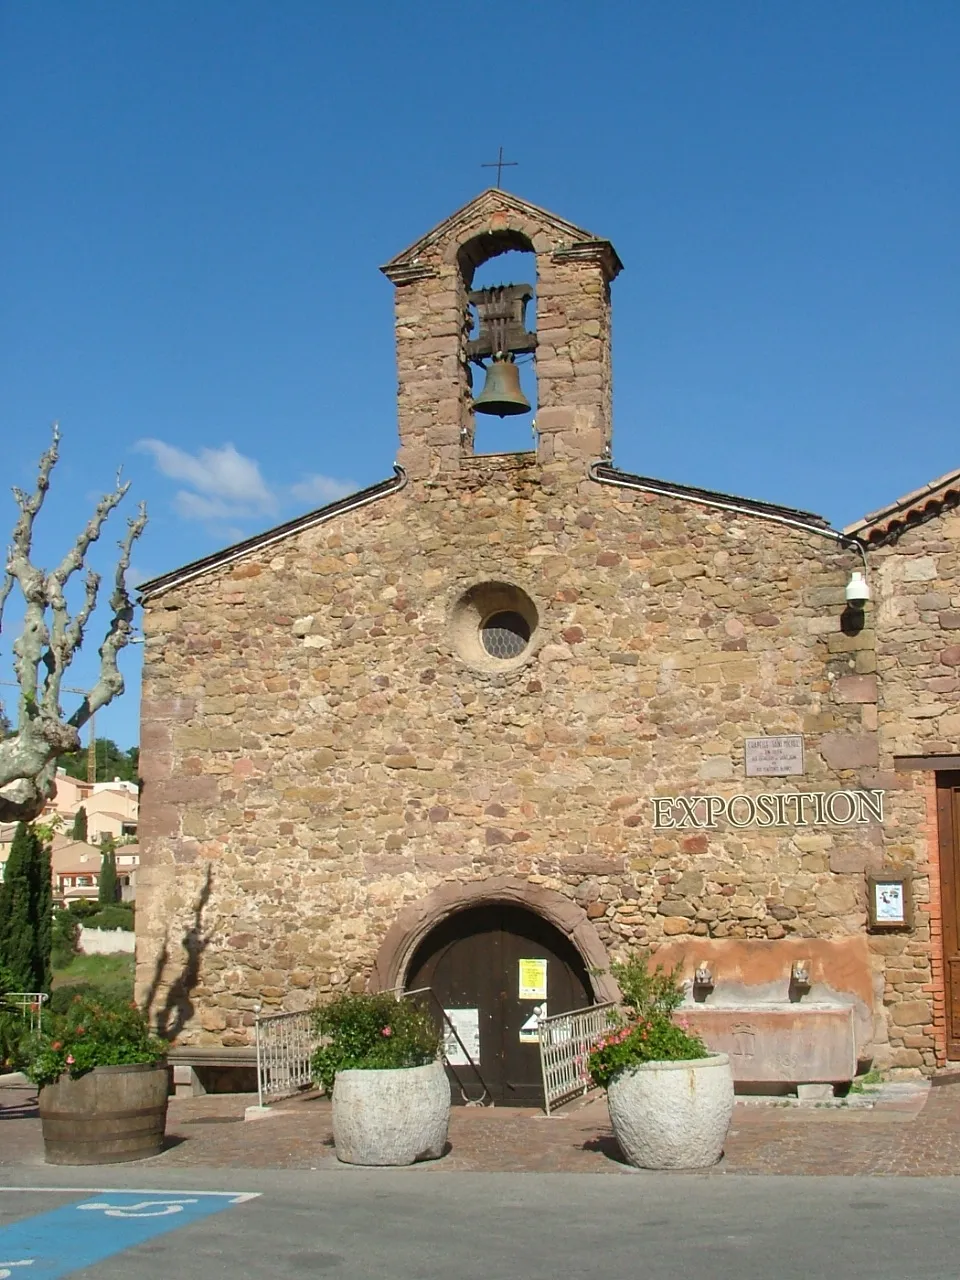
(109, 1115)
(673, 1115)
(391, 1117)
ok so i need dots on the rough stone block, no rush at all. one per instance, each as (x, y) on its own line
(911, 1013)
(919, 569)
(850, 750)
(814, 1092)
(856, 689)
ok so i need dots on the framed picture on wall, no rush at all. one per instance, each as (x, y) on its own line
(889, 902)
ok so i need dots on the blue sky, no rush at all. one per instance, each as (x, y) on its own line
(198, 197)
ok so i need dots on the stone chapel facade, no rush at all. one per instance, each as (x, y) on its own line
(533, 682)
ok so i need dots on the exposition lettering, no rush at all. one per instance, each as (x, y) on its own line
(782, 809)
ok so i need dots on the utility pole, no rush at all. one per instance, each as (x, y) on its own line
(91, 745)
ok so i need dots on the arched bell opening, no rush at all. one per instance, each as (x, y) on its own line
(499, 271)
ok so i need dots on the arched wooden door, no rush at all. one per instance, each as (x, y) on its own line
(495, 969)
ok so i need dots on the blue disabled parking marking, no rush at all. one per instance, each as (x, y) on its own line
(103, 1223)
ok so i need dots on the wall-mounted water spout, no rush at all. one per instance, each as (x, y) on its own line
(799, 979)
(703, 981)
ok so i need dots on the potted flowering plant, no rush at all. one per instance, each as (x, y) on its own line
(103, 1083)
(670, 1099)
(379, 1057)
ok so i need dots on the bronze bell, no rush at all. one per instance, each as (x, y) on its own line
(501, 392)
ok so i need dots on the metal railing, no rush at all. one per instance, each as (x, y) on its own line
(285, 1045)
(566, 1040)
(29, 1003)
(450, 1043)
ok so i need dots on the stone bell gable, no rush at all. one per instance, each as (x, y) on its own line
(574, 379)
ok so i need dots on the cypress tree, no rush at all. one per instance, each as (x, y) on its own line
(26, 911)
(108, 872)
(43, 969)
(79, 831)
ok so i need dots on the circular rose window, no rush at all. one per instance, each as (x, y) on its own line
(494, 625)
(505, 634)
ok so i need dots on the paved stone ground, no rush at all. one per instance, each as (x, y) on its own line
(910, 1130)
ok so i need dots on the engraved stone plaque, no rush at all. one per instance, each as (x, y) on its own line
(795, 1044)
(774, 757)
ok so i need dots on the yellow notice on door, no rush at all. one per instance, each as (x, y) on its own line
(533, 980)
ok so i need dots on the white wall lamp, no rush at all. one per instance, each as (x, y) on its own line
(858, 590)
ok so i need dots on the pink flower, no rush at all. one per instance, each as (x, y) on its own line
(57, 1044)
(70, 1059)
(386, 1031)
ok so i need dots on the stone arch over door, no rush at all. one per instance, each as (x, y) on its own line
(415, 921)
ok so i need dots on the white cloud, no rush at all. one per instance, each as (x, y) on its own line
(316, 490)
(223, 486)
(223, 482)
(194, 506)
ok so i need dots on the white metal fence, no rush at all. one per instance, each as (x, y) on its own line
(287, 1041)
(28, 1003)
(566, 1040)
(285, 1045)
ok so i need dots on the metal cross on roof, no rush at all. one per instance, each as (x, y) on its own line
(499, 164)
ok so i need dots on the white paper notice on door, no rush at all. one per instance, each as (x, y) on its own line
(533, 980)
(530, 1030)
(467, 1025)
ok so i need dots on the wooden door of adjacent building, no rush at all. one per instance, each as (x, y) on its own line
(948, 823)
(472, 962)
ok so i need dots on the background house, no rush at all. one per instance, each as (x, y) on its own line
(112, 809)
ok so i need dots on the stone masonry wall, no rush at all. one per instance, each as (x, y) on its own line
(917, 610)
(317, 754)
(918, 653)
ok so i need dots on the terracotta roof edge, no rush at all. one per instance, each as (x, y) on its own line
(904, 505)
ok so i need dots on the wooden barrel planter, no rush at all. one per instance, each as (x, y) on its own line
(107, 1116)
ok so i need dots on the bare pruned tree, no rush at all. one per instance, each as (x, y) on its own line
(49, 640)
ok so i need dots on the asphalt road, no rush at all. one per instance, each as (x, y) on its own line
(423, 1224)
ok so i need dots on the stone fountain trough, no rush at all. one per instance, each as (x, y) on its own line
(776, 1030)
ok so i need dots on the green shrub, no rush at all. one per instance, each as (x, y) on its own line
(376, 1032)
(83, 907)
(14, 1029)
(66, 938)
(116, 916)
(61, 998)
(14, 1022)
(656, 1039)
(109, 889)
(649, 1033)
(26, 910)
(648, 992)
(8, 980)
(92, 1032)
(79, 829)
